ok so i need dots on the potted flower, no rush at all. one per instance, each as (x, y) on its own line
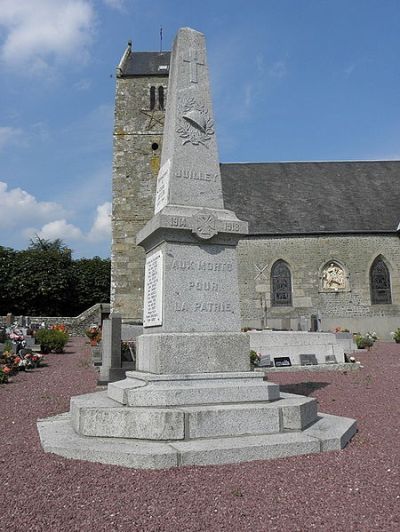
(396, 335)
(94, 335)
(365, 341)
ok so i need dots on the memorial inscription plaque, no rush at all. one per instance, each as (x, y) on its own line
(152, 315)
(162, 187)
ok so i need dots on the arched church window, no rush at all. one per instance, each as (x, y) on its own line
(152, 98)
(281, 285)
(161, 98)
(380, 283)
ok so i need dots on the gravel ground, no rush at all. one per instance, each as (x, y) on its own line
(357, 488)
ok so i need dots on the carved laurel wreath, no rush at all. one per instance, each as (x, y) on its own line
(191, 130)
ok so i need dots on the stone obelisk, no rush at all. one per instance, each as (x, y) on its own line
(192, 399)
(191, 306)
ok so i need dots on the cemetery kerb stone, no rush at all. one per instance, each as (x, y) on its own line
(192, 399)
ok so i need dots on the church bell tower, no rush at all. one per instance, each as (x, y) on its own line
(140, 101)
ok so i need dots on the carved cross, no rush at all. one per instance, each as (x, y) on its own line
(260, 272)
(193, 61)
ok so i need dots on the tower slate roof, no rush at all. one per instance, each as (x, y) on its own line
(314, 197)
(145, 64)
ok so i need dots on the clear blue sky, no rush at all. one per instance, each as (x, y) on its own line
(291, 80)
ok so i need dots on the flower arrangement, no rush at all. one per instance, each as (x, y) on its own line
(59, 327)
(254, 358)
(365, 341)
(4, 371)
(341, 330)
(10, 363)
(396, 335)
(94, 334)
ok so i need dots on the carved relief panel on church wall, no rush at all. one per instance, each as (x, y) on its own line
(333, 278)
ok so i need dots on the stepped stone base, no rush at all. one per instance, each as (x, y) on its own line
(328, 433)
(162, 421)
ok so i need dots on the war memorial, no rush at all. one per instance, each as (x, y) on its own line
(193, 399)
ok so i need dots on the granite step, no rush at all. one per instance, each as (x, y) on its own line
(146, 389)
(97, 415)
(328, 433)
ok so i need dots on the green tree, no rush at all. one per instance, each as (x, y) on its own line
(44, 244)
(91, 279)
(43, 280)
(7, 276)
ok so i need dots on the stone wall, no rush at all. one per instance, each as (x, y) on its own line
(349, 308)
(77, 325)
(136, 161)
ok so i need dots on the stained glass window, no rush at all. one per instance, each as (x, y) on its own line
(281, 285)
(380, 283)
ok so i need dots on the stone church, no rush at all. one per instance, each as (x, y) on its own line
(323, 249)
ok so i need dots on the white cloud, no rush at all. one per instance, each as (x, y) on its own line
(101, 228)
(60, 229)
(40, 31)
(115, 4)
(18, 207)
(9, 135)
(22, 216)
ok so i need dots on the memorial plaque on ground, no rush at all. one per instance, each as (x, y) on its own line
(330, 359)
(308, 360)
(265, 361)
(281, 362)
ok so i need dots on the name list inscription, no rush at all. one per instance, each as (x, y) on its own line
(152, 312)
(162, 187)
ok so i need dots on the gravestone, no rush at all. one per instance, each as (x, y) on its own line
(192, 399)
(112, 367)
